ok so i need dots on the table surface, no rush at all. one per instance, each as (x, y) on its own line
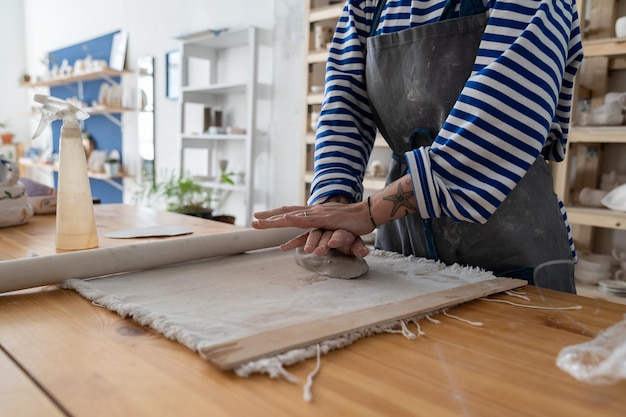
(62, 356)
(37, 236)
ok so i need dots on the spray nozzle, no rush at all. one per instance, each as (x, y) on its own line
(53, 108)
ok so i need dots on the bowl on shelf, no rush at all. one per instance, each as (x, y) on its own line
(593, 267)
(591, 277)
(616, 199)
(595, 261)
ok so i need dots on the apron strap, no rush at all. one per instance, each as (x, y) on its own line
(376, 20)
(468, 8)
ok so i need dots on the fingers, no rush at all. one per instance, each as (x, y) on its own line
(296, 242)
(296, 218)
(279, 211)
(321, 241)
(322, 247)
(359, 248)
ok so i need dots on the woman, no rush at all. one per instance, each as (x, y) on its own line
(473, 97)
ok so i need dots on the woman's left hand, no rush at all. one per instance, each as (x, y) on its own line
(333, 225)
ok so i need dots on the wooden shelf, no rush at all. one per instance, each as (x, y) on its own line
(597, 134)
(105, 73)
(317, 56)
(324, 13)
(369, 183)
(612, 47)
(592, 291)
(109, 110)
(379, 142)
(53, 168)
(597, 217)
(316, 98)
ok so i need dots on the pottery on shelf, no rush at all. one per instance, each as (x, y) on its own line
(14, 206)
(616, 199)
(609, 114)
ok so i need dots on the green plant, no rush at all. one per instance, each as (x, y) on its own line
(227, 177)
(181, 193)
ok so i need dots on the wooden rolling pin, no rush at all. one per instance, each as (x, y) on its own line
(32, 272)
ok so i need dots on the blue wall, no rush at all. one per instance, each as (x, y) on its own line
(106, 134)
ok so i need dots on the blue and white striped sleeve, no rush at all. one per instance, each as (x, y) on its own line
(346, 131)
(514, 107)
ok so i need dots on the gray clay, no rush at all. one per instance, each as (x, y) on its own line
(334, 264)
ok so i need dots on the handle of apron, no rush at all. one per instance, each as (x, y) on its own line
(376, 20)
(468, 8)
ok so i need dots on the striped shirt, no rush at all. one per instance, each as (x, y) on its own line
(514, 107)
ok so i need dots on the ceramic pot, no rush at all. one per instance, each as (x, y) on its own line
(592, 197)
(112, 169)
(590, 277)
(7, 138)
(594, 262)
(620, 27)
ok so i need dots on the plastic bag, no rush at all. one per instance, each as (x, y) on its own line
(599, 361)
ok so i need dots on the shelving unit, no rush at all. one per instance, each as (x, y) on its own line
(74, 86)
(84, 69)
(320, 12)
(604, 54)
(220, 72)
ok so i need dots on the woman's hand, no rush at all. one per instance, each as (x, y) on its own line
(320, 241)
(333, 225)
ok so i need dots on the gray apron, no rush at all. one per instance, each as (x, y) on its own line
(414, 77)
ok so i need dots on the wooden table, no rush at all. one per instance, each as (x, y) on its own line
(63, 356)
(38, 234)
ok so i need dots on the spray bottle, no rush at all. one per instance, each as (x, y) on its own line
(75, 220)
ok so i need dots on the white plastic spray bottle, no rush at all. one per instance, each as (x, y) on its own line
(75, 220)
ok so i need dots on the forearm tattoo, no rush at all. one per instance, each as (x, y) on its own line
(401, 199)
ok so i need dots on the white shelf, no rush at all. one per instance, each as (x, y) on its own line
(217, 185)
(217, 89)
(238, 199)
(217, 39)
(218, 136)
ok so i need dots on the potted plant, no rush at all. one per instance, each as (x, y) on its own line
(7, 136)
(112, 164)
(181, 194)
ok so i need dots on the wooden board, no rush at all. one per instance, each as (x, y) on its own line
(232, 354)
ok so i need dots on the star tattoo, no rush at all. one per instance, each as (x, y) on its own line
(401, 199)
